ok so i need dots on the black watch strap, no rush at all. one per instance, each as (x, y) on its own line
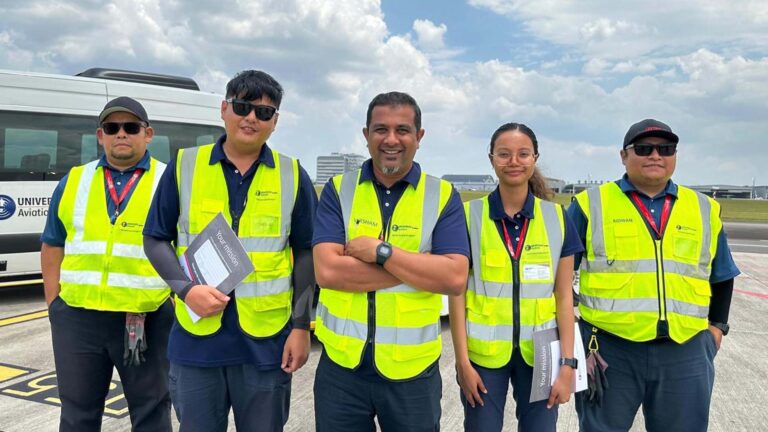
(572, 362)
(383, 252)
(724, 327)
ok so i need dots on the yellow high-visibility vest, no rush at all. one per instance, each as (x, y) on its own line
(489, 308)
(630, 281)
(263, 299)
(104, 265)
(407, 320)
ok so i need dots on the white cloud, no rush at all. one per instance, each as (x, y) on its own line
(429, 36)
(333, 56)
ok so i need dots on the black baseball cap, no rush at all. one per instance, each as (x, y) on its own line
(124, 104)
(649, 128)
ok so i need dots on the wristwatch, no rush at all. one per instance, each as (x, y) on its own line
(383, 252)
(572, 362)
(724, 327)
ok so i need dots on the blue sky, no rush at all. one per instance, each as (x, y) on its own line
(578, 73)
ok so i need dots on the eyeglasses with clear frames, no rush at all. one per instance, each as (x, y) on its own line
(524, 157)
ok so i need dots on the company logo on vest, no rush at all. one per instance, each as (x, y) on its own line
(7, 207)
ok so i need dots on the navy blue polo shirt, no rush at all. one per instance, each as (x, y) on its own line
(449, 236)
(55, 234)
(229, 346)
(723, 266)
(571, 242)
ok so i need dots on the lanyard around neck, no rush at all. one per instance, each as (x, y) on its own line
(128, 186)
(649, 218)
(515, 252)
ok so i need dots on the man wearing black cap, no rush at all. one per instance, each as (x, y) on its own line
(107, 306)
(655, 291)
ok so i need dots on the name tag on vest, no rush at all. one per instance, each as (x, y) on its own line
(536, 272)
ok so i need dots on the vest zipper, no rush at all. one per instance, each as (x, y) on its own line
(661, 289)
(515, 303)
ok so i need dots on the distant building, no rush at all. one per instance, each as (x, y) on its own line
(724, 191)
(471, 182)
(335, 164)
(556, 185)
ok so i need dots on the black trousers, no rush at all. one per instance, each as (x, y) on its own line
(87, 344)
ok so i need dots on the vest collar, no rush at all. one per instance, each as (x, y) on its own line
(412, 178)
(217, 153)
(496, 207)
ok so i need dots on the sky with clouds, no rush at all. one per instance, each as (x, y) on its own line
(579, 73)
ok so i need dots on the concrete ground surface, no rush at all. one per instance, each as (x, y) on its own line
(28, 394)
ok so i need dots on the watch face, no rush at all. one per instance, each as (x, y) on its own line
(386, 250)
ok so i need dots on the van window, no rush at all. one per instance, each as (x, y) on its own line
(37, 146)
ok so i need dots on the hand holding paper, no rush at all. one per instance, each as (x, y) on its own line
(205, 300)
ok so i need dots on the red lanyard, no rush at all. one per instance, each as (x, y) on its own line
(126, 189)
(647, 215)
(515, 252)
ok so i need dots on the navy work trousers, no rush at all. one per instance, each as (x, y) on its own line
(673, 382)
(202, 397)
(87, 344)
(347, 402)
(489, 417)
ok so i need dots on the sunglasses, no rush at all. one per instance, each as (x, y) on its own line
(243, 108)
(645, 149)
(131, 128)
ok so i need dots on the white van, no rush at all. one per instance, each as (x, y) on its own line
(48, 125)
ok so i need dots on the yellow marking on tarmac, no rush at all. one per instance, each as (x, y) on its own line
(7, 373)
(23, 318)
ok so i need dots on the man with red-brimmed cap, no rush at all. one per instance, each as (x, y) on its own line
(655, 291)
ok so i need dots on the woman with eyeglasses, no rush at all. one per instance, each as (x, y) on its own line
(520, 282)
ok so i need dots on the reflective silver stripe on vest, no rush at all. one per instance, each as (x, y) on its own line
(601, 265)
(705, 207)
(81, 199)
(341, 326)
(347, 197)
(287, 197)
(596, 225)
(85, 248)
(136, 282)
(475, 226)
(263, 288)
(492, 333)
(80, 277)
(619, 305)
(159, 170)
(407, 335)
(187, 163)
(128, 251)
(683, 308)
(643, 305)
(688, 269)
(402, 288)
(430, 212)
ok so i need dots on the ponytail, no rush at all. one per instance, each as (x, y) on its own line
(538, 186)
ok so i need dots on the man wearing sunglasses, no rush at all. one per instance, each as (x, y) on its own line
(242, 352)
(655, 291)
(107, 306)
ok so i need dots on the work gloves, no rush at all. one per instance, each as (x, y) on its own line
(135, 339)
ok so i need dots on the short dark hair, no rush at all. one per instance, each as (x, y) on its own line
(515, 127)
(255, 84)
(394, 99)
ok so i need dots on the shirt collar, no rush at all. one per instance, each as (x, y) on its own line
(627, 187)
(412, 178)
(218, 155)
(143, 163)
(496, 207)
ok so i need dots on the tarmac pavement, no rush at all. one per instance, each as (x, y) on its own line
(28, 392)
